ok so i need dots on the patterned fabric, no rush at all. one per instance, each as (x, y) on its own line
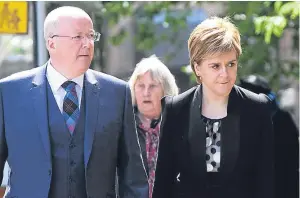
(152, 138)
(70, 105)
(213, 144)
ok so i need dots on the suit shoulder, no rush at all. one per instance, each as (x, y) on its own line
(109, 79)
(252, 99)
(20, 76)
(176, 102)
(184, 97)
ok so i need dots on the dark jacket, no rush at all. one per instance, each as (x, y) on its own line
(142, 141)
(286, 155)
(247, 168)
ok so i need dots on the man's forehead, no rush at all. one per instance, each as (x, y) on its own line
(76, 23)
(68, 11)
(70, 18)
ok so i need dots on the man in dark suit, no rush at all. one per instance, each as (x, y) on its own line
(65, 129)
(286, 141)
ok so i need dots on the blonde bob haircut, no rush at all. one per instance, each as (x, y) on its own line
(159, 73)
(212, 37)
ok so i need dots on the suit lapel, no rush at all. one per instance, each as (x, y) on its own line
(230, 134)
(230, 143)
(39, 99)
(92, 101)
(197, 135)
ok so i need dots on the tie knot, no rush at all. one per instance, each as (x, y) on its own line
(69, 85)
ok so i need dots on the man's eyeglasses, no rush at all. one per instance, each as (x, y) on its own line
(92, 37)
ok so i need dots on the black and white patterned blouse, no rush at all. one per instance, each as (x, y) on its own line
(213, 143)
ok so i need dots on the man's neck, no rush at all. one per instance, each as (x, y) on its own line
(63, 70)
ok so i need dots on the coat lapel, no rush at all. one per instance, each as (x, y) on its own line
(92, 101)
(197, 135)
(230, 134)
(39, 100)
(142, 143)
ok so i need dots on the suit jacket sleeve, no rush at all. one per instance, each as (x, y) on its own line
(3, 146)
(265, 164)
(133, 181)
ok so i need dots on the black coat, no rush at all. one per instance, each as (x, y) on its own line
(286, 155)
(247, 147)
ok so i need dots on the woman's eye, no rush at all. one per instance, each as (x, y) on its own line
(215, 66)
(231, 64)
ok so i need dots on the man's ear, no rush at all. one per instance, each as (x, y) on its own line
(50, 44)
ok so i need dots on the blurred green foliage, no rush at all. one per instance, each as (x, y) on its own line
(261, 25)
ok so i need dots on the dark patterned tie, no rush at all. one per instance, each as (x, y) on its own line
(70, 105)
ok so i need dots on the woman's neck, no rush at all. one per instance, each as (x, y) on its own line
(213, 106)
(145, 120)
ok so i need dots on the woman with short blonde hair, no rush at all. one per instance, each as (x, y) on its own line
(213, 36)
(217, 138)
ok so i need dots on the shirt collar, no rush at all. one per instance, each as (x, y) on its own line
(56, 79)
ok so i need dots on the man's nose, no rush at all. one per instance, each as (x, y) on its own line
(86, 41)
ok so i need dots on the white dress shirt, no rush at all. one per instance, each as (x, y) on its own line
(56, 79)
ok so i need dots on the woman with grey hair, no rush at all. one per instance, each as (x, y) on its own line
(150, 81)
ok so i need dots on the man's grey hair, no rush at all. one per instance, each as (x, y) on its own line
(159, 73)
(52, 19)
